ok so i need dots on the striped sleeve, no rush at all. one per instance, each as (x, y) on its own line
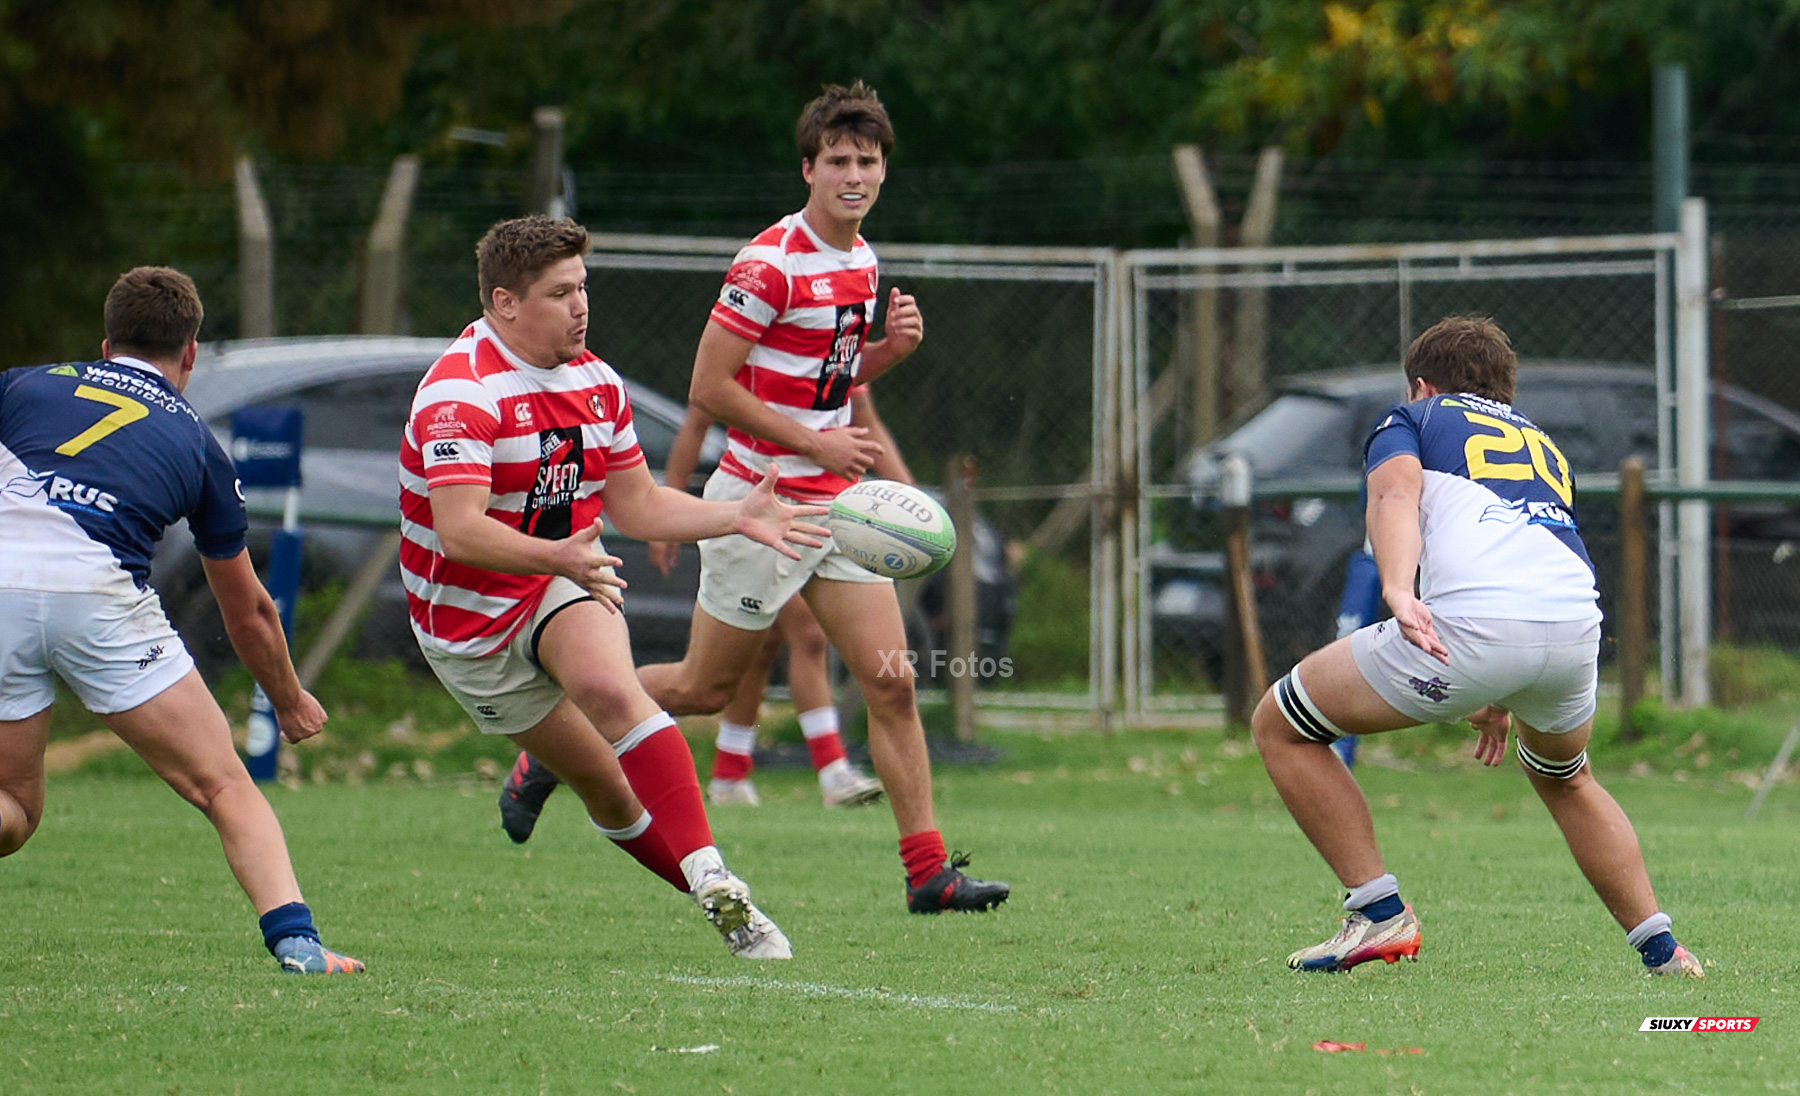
(456, 420)
(754, 294)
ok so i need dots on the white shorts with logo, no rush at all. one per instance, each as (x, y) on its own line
(508, 691)
(114, 651)
(745, 584)
(1544, 672)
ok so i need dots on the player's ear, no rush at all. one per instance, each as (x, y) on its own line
(806, 169)
(503, 303)
(106, 349)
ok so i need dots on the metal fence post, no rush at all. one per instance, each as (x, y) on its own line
(1692, 448)
(256, 256)
(385, 264)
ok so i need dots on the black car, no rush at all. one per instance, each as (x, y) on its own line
(1313, 432)
(356, 393)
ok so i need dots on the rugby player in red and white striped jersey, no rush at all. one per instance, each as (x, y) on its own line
(786, 340)
(518, 438)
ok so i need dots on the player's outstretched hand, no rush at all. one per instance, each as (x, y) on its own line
(905, 324)
(663, 554)
(1493, 723)
(1414, 620)
(302, 719)
(846, 451)
(579, 561)
(767, 520)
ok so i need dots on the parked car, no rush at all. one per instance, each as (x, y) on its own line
(1314, 430)
(356, 392)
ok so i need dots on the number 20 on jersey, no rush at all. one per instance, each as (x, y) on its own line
(1534, 453)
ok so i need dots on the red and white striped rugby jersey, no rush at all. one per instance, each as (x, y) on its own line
(808, 307)
(540, 440)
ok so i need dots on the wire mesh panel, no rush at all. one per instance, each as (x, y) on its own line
(1289, 356)
(1006, 374)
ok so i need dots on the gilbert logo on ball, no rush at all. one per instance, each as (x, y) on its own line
(891, 529)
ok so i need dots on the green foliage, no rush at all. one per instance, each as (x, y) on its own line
(1049, 644)
(1158, 883)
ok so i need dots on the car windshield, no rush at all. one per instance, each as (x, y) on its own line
(1298, 436)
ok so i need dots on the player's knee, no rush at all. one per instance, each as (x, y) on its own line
(597, 696)
(1287, 715)
(1554, 774)
(807, 641)
(16, 827)
(889, 694)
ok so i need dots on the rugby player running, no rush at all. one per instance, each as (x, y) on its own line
(783, 346)
(1466, 494)
(97, 459)
(519, 436)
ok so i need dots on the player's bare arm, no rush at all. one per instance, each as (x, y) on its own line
(1393, 523)
(684, 454)
(642, 509)
(253, 624)
(846, 452)
(889, 464)
(471, 537)
(905, 330)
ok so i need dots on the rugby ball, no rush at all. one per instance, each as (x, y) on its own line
(892, 529)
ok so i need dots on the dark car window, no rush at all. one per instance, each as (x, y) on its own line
(352, 413)
(1753, 446)
(655, 437)
(1299, 436)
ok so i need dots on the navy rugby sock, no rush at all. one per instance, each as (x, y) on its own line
(293, 919)
(1658, 950)
(1381, 910)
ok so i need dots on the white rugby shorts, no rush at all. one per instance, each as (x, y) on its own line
(508, 691)
(1544, 672)
(745, 584)
(115, 651)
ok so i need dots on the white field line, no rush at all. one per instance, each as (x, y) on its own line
(816, 989)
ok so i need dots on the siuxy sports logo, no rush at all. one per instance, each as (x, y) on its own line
(1699, 1023)
(1534, 513)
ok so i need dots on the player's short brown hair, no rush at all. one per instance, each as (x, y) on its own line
(513, 253)
(153, 310)
(1464, 354)
(855, 112)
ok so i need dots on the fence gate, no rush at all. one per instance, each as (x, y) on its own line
(1017, 369)
(1210, 335)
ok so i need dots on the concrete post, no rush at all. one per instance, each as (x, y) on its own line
(384, 266)
(543, 191)
(256, 256)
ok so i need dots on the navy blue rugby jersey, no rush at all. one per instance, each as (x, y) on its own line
(1497, 512)
(97, 459)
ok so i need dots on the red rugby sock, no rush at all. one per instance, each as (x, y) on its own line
(660, 769)
(923, 854)
(648, 847)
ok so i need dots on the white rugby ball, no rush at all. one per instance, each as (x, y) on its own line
(892, 529)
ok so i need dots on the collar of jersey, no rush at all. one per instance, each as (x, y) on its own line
(536, 372)
(819, 241)
(140, 365)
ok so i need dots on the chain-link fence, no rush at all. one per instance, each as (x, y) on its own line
(1007, 373)
(1323, 330)
(1014, 369)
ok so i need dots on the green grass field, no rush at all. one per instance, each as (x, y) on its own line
(1157, 886)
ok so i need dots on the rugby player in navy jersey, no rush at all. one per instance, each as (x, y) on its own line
(97, 459)
(1477, 503)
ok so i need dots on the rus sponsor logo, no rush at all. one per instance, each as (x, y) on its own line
(1699, 1023)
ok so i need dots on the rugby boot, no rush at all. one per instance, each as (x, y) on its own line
(522, 796)
(950, 889)
(1360, 940)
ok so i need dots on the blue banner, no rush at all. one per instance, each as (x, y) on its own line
(265, 446)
